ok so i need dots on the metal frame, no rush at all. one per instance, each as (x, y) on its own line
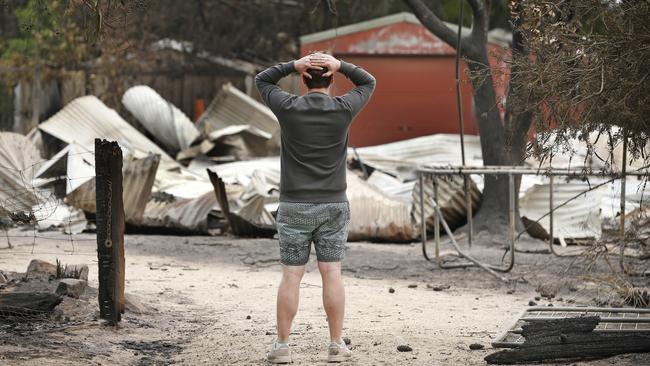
(510, 171)
(500, 340)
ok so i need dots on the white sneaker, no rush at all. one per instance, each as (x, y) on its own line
(279, 354)
(338, 352)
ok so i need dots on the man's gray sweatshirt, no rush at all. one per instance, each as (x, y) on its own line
(314, 129)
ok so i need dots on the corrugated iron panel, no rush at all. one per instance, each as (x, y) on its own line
(161, 118)
(580, 218)
(138, 178)
(189, 215)
(19, 160)
(401, 157)
(87, 118)
(451, 199)
(233, 107)
(375, 216)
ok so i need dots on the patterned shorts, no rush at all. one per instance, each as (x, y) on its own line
(326, 224)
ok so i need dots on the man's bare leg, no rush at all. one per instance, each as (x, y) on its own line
(333, 297)
(288, 295)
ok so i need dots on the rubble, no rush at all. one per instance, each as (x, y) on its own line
(240, 122)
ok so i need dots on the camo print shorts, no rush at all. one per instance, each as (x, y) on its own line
(300, 224)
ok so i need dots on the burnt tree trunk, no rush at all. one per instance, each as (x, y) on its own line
(494, 136)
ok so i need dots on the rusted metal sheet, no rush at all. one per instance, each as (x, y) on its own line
(163, 120)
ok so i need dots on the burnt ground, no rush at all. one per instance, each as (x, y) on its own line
(211, 300)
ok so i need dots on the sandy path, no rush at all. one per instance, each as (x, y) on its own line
(213, 302)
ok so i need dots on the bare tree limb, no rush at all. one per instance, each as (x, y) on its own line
(480, 20)
(434, 24)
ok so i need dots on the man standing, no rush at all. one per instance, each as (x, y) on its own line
(313, 202)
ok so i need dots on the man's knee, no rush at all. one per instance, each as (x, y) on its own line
(293, 273)
(329, 269)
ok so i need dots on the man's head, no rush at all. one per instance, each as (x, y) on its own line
(317, 81)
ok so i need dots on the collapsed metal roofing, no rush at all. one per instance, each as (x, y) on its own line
(161, 118)
(578, 218)
(401, 157)
(19, 160)
(87, 118)
(233, 107)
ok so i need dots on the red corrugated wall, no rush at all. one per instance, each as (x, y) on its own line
(415, 74)
(415, 96)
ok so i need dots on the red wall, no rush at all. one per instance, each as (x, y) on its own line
(415, 72)
(415, 96)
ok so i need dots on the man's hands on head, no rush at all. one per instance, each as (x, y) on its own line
(324, 60)
(317, 61)
(304, 64)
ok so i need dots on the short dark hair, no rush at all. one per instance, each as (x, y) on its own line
(317, 80)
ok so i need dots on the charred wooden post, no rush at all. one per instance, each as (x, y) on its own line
(110, 229)
(569, 339)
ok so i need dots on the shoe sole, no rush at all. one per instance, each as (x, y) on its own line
(280, 360)
(338, 358)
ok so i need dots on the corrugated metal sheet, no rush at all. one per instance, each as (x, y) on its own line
(580, 218)
(451, 199)
(19, 160)
(161, 118)
(137, 181)
(233, 107)
(375, 216)
(190, 215)
(87, 118)
(74, 163)
(400, 158)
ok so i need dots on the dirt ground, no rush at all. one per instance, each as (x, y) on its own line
(211, 301)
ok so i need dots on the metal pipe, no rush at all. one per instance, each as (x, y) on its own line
(423, 222)
(496, 169)
(436, 220)
(468, 257)
(468, 210)
(550, 213)
(511, 195)
(621, 258)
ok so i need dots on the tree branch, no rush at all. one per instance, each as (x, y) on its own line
(480, 20)
(434, 24)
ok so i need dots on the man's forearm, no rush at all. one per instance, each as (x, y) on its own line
(356, 74)
(273, 74)
(266, 82)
